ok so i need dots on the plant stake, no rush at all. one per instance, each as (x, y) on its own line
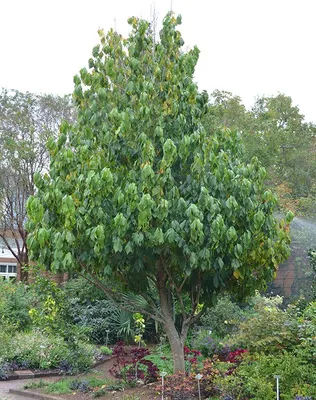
(199, 377)
(277, 377)
(162, 374)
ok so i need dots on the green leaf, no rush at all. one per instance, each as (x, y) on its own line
(117, 245)
(138, 238)
(158, 237)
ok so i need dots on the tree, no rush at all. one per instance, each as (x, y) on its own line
(283, 142)
(27, 121)
(274, 131)
(227, 110)
(140, 199)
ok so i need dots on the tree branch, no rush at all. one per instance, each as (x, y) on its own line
(116, 297)
(178, 290)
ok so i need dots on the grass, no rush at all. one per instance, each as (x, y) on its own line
(36, 385)
(64, 385)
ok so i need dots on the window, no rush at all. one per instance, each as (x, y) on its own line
(7, 271)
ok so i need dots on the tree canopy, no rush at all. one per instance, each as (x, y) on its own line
(141, 199)
(273, 130)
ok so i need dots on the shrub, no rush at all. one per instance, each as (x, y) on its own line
(307, 333)
(82, 291)
(224, 318)
(39, 351)
(210, 345)
(105, 350)
(163, 363)
(183, 386)
(138, 368)
(271, 330)
(99, 318)
(254, 377)
(15, 302)
(81, 385)
(4, 370)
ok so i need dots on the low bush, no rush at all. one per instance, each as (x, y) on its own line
(105, 350)
(270, 330)
(132, 370)
(39, 351)
(67, 385)
(182, 386)
(209, 344)
(254, 378)
(224, 318)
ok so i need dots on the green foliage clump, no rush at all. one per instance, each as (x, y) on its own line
(40, 351)
(223, 318)
(105, 350)
(82, 291)
(269, 330)
(102, 321)
(162, 360)
(15, 301)
(254, 377)
(307, 334)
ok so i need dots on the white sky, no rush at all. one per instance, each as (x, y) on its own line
(248, 47)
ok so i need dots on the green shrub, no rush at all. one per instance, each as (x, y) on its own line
(270, 330)
(254, 378)
(223, 318)
(105, 350)
(82, 291)
(306, 206)
(163, 363)
(307, 333)
(209, 344)
(67, 385)
(40, 351)
(15, 301)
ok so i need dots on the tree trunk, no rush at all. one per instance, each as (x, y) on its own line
(24, 275)
(176, 339)
(176, 342)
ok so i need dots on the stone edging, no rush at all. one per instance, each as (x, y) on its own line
(34, 395)
(32, 375)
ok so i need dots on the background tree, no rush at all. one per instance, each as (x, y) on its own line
(285, 142)
(27, 121)
(227, 110)
(274, 131)
(141, 200)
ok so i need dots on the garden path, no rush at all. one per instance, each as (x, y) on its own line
(14, 384)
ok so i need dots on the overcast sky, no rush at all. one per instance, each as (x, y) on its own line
(248, 47)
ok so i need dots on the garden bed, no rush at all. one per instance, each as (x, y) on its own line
(107, 384)
(32, 374)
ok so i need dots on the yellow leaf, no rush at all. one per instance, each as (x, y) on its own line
(236, 274)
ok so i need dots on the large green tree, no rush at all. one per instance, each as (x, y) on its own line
(141, 200)
(27, 121)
